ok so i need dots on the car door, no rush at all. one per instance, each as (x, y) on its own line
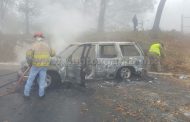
(77, 62)
(107, 60)
(90, 65)
(62, 61)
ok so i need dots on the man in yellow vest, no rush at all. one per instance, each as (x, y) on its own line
(38, 57)
(155, 54)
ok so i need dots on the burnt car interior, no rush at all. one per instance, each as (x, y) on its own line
(108, 51)
(129, 50)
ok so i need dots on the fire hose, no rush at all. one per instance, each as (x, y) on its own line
(19, 83)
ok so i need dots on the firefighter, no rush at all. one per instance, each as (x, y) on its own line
(38, 57)
(156, 52)
(135, 23)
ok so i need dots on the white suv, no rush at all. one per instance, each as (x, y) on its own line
(95, 60)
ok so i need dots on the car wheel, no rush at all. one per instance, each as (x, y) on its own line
(53, 79)
(48, 80)
(125, 73)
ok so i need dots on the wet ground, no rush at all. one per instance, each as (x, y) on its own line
(160, 100)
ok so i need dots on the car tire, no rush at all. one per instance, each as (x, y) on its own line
(53, 79)
(125, 73)
(48, 80)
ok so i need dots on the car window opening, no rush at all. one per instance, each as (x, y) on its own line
(129, 50)
(108, 51)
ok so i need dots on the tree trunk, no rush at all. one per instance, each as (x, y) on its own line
(27, 17)
(156, 26)
(3, 7)
(101, 19)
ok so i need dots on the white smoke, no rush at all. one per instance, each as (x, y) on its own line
(64, 25)
(20, 50)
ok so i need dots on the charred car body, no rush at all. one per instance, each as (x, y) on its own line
(96, 60)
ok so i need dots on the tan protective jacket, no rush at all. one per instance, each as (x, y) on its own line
(40, 54)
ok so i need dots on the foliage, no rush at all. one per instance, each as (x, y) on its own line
(118, 13)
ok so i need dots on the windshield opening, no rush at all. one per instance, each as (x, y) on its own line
(68, 51)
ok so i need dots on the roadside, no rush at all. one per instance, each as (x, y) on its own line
(162, 99)
(8, 77)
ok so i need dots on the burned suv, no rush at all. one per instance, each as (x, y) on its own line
(95, 60)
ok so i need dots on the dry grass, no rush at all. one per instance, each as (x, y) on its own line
(8, 45)
(177, 51)
(176, 44)
(7, 51)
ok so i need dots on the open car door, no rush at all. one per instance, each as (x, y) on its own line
(77, 63)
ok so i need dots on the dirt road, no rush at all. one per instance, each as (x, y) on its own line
(102, 101)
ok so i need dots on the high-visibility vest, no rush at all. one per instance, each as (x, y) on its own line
(40, 54)
(155, 48)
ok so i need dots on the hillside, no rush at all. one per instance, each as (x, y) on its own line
(176, 46)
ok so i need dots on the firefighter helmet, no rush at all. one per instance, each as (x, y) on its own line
(38, 34)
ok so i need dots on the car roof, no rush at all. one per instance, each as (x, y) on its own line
(81, 43)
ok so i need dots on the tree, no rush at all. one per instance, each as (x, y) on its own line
(27, 17)
(4, 4)
(118, 13)
(156, 26)
(101, 19)
(29, 8)
(108, 13)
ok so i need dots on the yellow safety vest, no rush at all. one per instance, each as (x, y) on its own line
(40, 54)
(155, 48)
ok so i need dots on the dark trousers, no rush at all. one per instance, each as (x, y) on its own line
(154, 62)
